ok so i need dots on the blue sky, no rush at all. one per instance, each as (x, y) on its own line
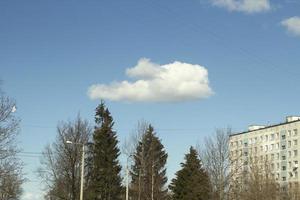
(51, 52)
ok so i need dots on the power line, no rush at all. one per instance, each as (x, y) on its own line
(216, 37)
(28, 156)
(129, 130)
(31, 153)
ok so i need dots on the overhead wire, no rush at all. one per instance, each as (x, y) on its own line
(216, 37)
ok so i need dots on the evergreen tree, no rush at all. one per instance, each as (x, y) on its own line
(149, 172)
(105, 183)
(192, 181)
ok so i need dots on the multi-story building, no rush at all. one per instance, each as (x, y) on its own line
(278, 144)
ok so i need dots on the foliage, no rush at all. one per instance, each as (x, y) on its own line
(149, 172)
(105, 183)
(191, 181)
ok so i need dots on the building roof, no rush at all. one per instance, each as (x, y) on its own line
(266, 127)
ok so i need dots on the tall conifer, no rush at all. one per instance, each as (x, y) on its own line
(105, 181)
(192, 181)
(149, 172)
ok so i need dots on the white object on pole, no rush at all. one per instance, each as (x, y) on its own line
(14, 109)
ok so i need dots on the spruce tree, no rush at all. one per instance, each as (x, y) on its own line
(105, 181)
(191, 181)
(149, 172)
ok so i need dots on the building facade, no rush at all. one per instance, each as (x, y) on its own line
(277, 144)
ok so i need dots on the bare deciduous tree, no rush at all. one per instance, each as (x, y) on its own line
(60, 165)
(130, 143)
(256, 181)
(216, 159)
(241, 177)
(10, 166)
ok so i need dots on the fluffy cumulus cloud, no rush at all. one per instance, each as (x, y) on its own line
(292, 25)
(152, 82)
(248, 6)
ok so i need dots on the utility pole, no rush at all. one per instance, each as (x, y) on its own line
(82, 173)
(139, 184)
(152, 183)
(127, 179)
(82, 166)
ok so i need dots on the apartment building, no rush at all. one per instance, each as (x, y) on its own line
(279, 144)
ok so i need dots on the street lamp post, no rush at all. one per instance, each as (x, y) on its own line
(127, 177)
(127, 180)
(152, 178)
(82, 167)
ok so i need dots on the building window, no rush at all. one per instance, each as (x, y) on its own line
(295, 153)
(283, 157)
(246, 144)
(283, 168)
(295, 132)
(266, 148)
(277, 165)
(272, 146)
(290, 154)
(283, 137)
(277, 135)
(277, 146)
(295, 142)
(289, 144)
(277, 156)
(266, 138)
(272, 166)
(290, 133)
(290, 164)
(284, 178)
(283, 147)
(296, 162)
(272, 136)
(272, 156)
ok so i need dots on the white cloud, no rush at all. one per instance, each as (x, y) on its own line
(176, 81)
(292, 25)
(248, 6)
